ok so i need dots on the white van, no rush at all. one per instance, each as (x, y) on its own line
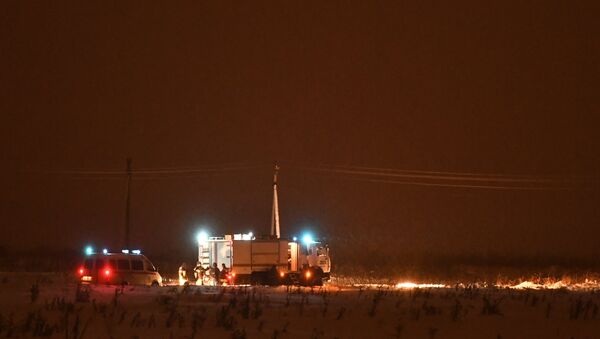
(118, 268)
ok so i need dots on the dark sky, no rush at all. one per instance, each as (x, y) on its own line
(507, 88)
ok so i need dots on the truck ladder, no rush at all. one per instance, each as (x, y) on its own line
(204, 256)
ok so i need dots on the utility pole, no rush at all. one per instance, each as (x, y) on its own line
(128, 203)
(275, 215)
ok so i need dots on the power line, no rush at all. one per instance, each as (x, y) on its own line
(449, 179)
(495, 181)
(515, 177)
(459, 185)
(442, 175)
(148, 171)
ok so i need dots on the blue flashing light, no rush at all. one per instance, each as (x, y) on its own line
(295, 238)
(136, 252)
(89, 250)
(202, 237)
(125, 251)
(307, 239)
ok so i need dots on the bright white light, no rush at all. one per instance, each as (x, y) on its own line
(295, 238)
(125, 251)
(406, 285)
(250, 234)
(411, 285)
(89, 250)
(307, 239)
(136, 252)
(202, 237)
(104, 251)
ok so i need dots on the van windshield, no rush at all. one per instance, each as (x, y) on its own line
(88, 264)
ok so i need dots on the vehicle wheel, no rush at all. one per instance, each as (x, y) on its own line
(154, 284)
(272, 277)
(318, 279)
(257, 278)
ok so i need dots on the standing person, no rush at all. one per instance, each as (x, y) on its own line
(183, 274)
(199, 273)
(216, 273)
(224, 270)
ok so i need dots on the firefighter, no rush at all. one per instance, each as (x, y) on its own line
(199, 273)
(224, 270)
(216, 273)
(183, 274)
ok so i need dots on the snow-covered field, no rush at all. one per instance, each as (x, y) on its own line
(368, 311)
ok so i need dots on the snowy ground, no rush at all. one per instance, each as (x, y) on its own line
(330, 312)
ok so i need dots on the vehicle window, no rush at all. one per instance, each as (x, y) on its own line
(99, 263)
(123, 264)
(88, 264)
(137, 265)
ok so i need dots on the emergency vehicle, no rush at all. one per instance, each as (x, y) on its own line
(266, 261)
(269, 260)
(127, 267)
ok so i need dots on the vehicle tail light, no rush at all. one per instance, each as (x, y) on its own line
(81, 271)
(107, 272)
(307, 274)
(281, 274)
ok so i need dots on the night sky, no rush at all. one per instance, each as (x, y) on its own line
(472, 87)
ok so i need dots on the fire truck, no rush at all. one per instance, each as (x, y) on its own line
(267, 260)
